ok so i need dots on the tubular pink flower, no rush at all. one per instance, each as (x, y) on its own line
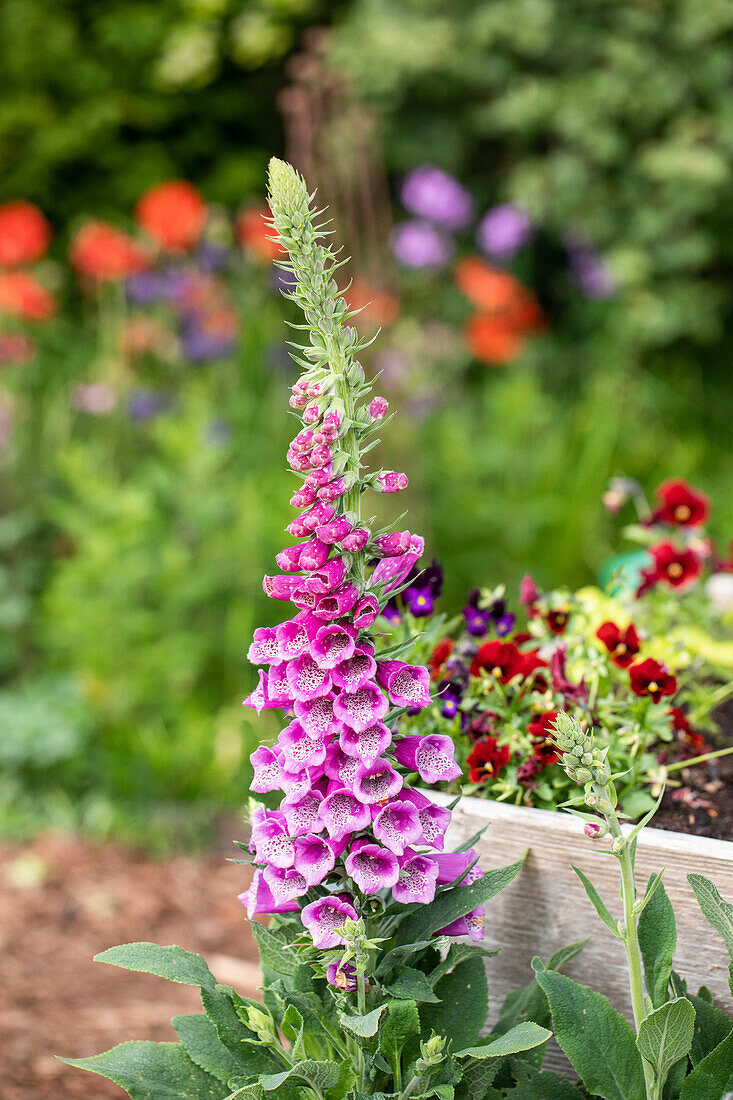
(391, 572)
(452, 864)
(393, 544)
(285, 884)
(270, 838)
(333, 490)
(265, 647)
(299, 749)
(406, 685)
(355, 671)
(432, 756)
(417, 879)
(356, 540)
(267, 771)
(361, 708)
(365, 745)
(334, 531)
(372, 867)
(378, 408)
(306, 679)
(327, 579)
(293, 637)
(317, 716)
(337, 603)
(341, 768)
(303, 815)
(259, 899)
(365, 612)
(377, 783)
(332, 644)
(277, 687)
(391, 482)
(279, 587)
(315, 857)
(323, 919)
(397, 825)
(314, 554)
(303, 497)
(471, 925)
(342, 813)
(434, 820)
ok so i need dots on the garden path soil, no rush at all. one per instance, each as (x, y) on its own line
(63, 899)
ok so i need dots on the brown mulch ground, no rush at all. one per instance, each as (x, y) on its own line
(704, 803)
(63, 899)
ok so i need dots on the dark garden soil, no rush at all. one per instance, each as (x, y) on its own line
(62, 900)
(703, 804)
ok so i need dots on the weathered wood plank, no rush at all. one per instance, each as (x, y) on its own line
(545, 906)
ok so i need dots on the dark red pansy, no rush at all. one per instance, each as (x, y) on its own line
(675, 566)
(681, 505)
(557, 620)
(623, 645)
(502, 659)
(652, 680)
(486, 760)
(541, 731)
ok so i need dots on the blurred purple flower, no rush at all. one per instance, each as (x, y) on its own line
(588, 269)
(503, 230)
(211, 257)
(431, 193)
(147, 287)
(419, 244)
(208, 335)
(145, 404)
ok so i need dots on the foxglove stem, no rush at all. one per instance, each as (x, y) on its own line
(678, 765)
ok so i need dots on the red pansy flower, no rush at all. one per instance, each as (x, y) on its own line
(650, 678)
(681, 724)
(102, 252)
(503, 659)
(681, 505)
(623, 645)
(677, 567)
(173, 214)
(22, 296)
(439, 656)
(557, 621)
(24, 233)
(541, 732)
(487, 758)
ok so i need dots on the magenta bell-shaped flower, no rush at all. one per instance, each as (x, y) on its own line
(372, 868)
(417, 881)
(406, 685)
(323, 919)
(432, 756)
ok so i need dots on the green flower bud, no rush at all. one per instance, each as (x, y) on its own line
(261, 1023)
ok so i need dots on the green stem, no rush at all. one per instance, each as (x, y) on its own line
(412, 1087)
(631, 939)
(680, 764)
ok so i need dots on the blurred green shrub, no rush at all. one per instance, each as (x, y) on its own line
(101, 99)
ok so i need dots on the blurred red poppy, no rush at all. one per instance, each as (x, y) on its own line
(24, 233)
(173, 214)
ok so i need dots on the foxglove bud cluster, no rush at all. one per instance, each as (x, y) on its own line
(582, 760)
(348, 825)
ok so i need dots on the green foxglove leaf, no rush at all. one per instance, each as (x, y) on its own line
(275, 952)
(204, 1047)
(292, 1029)
(323, 1075)
(172, 963)
(235, 1036)
(711, 1027)
(249, 1091)
(597, 1040)
(524, 1036)
(598, 904)
(657, 941)
(455, 903)
(364, 1026)
(456, 954)
(712, 1077)
(475, 1084)
(399, 954)
(665, 1036)
(411, 984)
(463, 1004)
(545, 1086)
(717, 912)
(566, 954)
(160, 1070)
(401, 1025)
(343, 1085)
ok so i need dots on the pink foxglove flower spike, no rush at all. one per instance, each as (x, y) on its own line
(348, 817)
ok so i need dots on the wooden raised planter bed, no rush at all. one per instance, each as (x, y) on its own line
(546, 907)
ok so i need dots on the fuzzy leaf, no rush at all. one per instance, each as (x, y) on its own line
(153, 1071)
(275, 953)
(204, 1047)
(248, 1090)
(324, 1075)
(711, 1027)
(456, 954)
(411, 985)
(566, 954)
(717, 912)
(524, 1036)
(657, 941)
(402, 1023)
(220, 1010)
(712, 1077)
(477, 1079)
(597, 1040)
(462, 1007)
(363, 1026)
(545, 1086)
(598, 904)
(455, 903)
(172, 963)
(399, 954)
(665, 1036)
